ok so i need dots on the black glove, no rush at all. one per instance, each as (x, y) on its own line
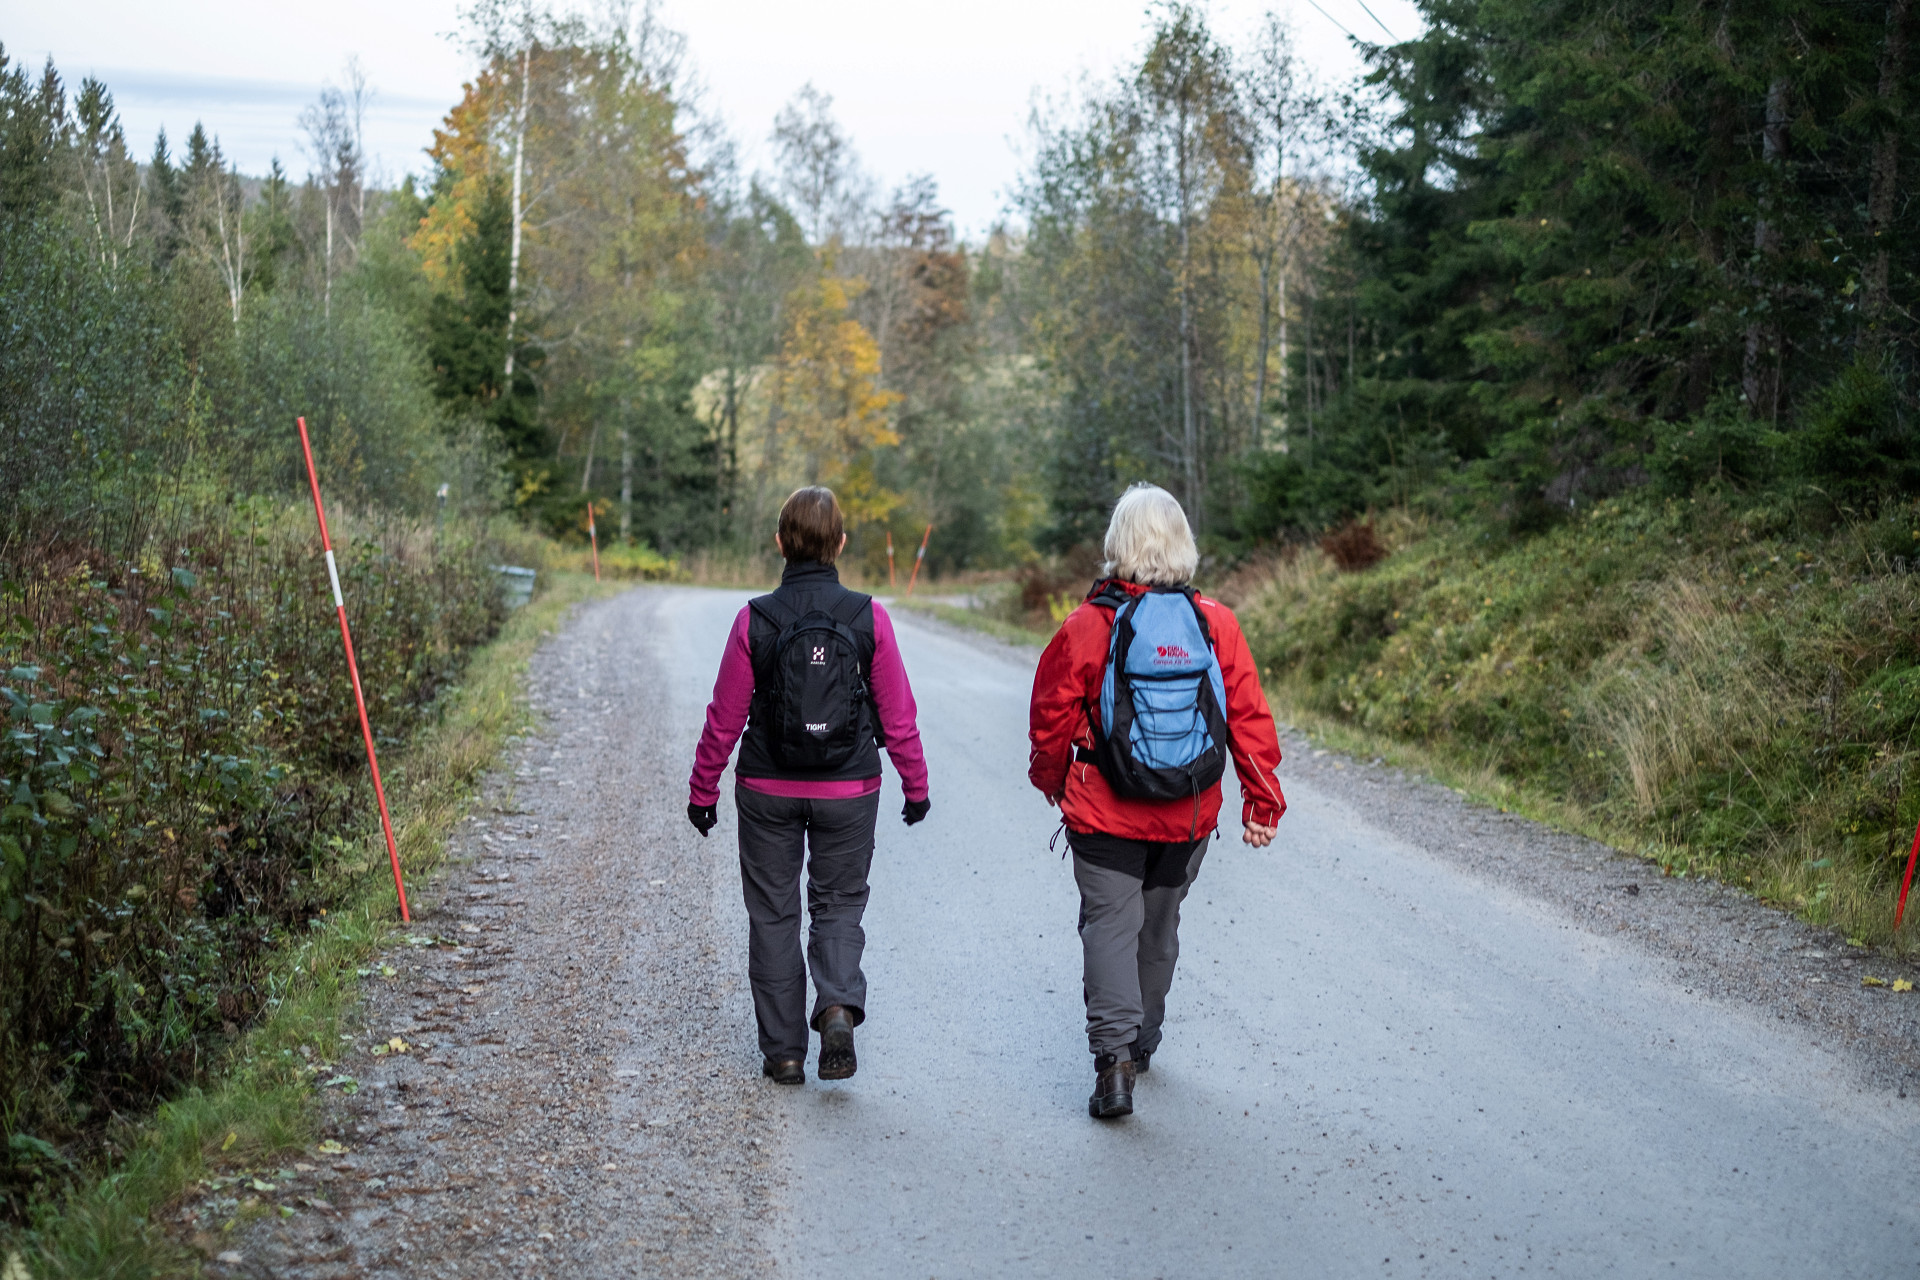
(915, 811)
(703, 816)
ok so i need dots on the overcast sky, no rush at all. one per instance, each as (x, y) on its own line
(922, 89)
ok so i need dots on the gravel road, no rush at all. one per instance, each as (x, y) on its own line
(1414, 1038)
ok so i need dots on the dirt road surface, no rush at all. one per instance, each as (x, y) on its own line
(1413, 1038)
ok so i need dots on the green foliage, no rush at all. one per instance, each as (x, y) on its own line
(261, 1107)
(181, 785)
(184, 785)
(1701, 679)
(1606, 243)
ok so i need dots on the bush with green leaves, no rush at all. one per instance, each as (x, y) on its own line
(184, 784)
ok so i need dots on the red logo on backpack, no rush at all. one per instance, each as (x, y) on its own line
(1171, 651)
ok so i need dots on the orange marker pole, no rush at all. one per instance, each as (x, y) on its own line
(918, 556)
(353, 669)
(1906, 883)
(593, 540)
(889, 559)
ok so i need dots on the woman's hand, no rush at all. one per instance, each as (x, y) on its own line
(1256, 835)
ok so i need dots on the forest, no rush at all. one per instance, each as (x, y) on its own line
(1546, 397)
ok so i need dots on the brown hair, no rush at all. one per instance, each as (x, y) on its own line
(810, 525)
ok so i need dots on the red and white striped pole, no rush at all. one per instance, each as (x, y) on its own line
(593, 540)
(353, 669)
(1906, 883)
(918, 556)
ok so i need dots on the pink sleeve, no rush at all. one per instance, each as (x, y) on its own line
(893, 696)
(727, 715)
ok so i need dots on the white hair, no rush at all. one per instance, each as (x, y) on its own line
(1148, 540)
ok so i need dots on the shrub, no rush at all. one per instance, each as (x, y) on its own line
(184, 785)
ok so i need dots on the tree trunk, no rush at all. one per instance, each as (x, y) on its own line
(1189, 428)
(1306, 358)
(1886, 169)
(1757, 382)
(513, 254)
(1260, 360)
(326, 307)
(626, 480)
(730, 444)
(1283, 351)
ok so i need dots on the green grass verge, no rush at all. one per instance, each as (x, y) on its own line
(975, 620)
(1726, 686)
(261, 1103)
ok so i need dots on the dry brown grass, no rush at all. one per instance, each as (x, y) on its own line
(1684, 690)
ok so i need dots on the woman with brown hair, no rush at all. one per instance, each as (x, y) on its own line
(812, 674)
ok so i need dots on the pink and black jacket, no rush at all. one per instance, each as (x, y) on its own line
(801, 586)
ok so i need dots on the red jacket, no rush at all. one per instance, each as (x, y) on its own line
(1067, 686)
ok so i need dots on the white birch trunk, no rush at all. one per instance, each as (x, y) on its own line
(513, 255)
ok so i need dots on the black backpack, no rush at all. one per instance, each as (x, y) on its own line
(810, 691)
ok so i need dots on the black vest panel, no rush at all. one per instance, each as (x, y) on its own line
(804, 587)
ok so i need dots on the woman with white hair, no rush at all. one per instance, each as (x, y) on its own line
(1139, 700)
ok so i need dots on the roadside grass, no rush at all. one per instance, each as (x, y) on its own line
(260, 1104)
(1727, 687)
(974, 619)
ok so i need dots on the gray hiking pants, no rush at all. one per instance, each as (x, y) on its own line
(834, 839)
(1130, 896)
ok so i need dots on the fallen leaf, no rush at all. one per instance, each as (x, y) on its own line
(397, 1045)
(609, 1168)
(1901, 984)
(286, 1211)
(1873, 982)
(332, 1148)
(232, 1137)
(231, 1257)
(258, 1185)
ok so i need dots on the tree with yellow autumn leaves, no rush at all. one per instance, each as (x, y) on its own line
(828, 409)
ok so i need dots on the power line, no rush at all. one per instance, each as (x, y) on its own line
(1335, 21)
(1376, 21)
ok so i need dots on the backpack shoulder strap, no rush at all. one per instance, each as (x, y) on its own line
(1206, 628)
(768, 617)
(849, 609)
(1108, 594)
(854, 611)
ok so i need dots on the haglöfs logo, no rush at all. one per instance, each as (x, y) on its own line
(819, 656)
(1171, 651)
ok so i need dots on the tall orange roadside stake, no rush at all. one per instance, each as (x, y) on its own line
(593, 539)
(918, 556)
(1906, 882)
(353, 669)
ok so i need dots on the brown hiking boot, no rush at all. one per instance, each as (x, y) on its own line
(784, 1070)
(1112, 1088)
(836, 1044)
